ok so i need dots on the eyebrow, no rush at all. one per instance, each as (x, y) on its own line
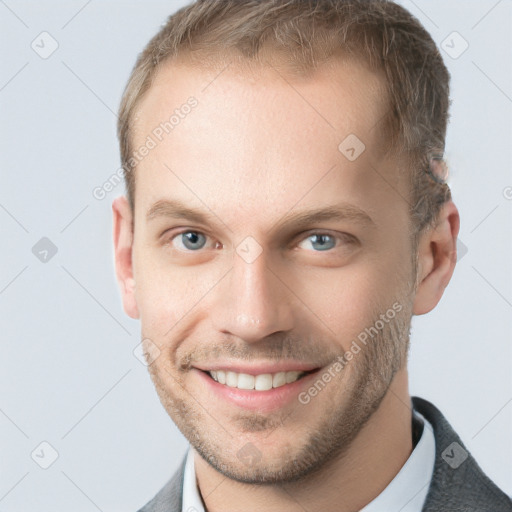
(176, 209)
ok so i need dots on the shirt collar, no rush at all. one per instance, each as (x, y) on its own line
(408, 490)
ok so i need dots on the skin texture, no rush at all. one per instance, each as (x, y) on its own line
(260, 146)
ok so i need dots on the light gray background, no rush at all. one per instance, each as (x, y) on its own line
(68, 373)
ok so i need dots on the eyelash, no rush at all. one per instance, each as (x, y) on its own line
(343, 237)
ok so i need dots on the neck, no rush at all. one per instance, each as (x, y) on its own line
(373, 459)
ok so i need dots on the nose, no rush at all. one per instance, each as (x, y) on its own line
(253, 302)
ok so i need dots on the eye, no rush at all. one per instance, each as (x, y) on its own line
(188, 241)
(325, 241)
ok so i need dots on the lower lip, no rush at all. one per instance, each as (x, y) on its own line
(263, 401)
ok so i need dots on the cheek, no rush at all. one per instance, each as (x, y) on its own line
(344, 301)
(168, 293)
(159, 292)
(163, 298)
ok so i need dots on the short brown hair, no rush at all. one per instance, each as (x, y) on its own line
(306, 33)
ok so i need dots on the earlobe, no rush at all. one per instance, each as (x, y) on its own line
(123, 246)
(437, 257)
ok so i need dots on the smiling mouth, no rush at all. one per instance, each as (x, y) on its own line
(262, 382)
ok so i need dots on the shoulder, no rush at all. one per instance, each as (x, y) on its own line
(458, 482)
(169, 497)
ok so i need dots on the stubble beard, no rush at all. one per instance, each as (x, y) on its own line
(373, 369)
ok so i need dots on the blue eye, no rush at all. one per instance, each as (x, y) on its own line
(321, 241)
(324, 242)
(191, 240)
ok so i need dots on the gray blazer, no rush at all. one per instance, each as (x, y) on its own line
(463, 489)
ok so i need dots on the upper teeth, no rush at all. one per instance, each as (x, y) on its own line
(261, 382)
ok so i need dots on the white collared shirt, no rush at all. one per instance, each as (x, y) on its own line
(405, 493)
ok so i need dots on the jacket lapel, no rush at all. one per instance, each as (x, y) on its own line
(458, 483)
(170, 497)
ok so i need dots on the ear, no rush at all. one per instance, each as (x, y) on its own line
(123, 241)
(437, 256)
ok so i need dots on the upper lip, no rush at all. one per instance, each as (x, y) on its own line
(257, 368)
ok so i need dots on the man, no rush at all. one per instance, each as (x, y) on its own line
(286, 215)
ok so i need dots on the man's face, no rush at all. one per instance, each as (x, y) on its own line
(249, 284)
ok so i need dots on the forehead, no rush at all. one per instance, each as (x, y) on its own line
(257, 135)
(341, 94)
